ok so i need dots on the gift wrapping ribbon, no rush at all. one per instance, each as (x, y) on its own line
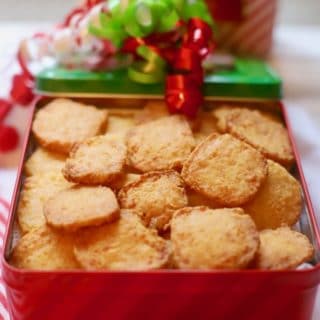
(169, 39)
(183, 86)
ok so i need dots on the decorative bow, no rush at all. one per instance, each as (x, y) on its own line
(167, 38)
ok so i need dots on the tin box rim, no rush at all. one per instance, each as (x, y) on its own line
(255, 272)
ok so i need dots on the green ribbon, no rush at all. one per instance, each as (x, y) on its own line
(152, 69)
(141, 18)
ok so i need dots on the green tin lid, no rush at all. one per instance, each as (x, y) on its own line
(248, 79)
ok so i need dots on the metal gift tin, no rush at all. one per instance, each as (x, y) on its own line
(163, 294)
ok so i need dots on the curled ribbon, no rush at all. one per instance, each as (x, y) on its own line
(182, 96)
(163, 35)
(150, 70)
(183, 87)
(139, 19)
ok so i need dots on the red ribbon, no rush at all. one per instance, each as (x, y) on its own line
(21, 89)
(161, 41)
(182, 95)
(67, 20)
(9, 138)
(187, 61)
(198, 37)
(81, 11)
(183, 87)
(131, 44)
(91, 3)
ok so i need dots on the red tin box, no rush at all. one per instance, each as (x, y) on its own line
(164, 294)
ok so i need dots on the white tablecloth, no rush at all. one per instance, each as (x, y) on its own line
(296, 56)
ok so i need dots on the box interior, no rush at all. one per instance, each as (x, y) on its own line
(132, 106)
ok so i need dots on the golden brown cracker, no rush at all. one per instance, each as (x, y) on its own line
(123, 245)
(264, 133)
(35, 191)
(156, 109)
(283, 248)
(226, 170)
(278, 202)
(221, 114)
(43, 161)
(44, 249)
(96, 161)
(155, 196)
(204, 238)
(161, 144)
(79, 207)
(152, 110)
(63, 123)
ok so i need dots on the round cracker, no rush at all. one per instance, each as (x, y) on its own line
(161, 144)
(36, 190)
(278, 202)
(283, 248)
(123, 245)
(156, 109)
(152, 110)
(204, 238)
(44, 249)
(267, 135)
(63, 123)
(155, 196)
(221, 114)
(79, 207)
(96, 161)
(43, 161)
(226, 170)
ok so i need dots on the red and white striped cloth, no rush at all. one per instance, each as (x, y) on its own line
(4, 210)
(253, 34)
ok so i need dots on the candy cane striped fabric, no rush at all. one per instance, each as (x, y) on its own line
(253, 35)
(4, 210)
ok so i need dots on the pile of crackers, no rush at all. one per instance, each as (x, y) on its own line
(129, 189)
